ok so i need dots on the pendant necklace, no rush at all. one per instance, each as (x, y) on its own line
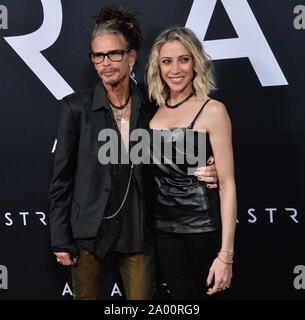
(119, 115)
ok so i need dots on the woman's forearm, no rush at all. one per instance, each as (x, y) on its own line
(228, 210)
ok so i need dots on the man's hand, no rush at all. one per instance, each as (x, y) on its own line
(208, 173)
(64, 258)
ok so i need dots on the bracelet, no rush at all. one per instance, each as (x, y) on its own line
(229, 252)
(223, 260)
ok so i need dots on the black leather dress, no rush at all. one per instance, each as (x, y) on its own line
(182, 203)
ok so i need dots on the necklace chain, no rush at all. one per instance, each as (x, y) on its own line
(119, 115)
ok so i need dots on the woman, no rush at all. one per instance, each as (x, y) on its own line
(194, 225)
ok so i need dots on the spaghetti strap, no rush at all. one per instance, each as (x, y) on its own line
(197, 115)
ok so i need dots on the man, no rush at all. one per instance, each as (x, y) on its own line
(97, 211)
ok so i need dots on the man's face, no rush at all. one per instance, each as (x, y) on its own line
(112, 73)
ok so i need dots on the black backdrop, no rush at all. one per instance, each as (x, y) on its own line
(268, 134)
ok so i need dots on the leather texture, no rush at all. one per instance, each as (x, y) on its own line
(182, 203)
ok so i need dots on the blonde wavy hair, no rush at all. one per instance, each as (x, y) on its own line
(203, 81)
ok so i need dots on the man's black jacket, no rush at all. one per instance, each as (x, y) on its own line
(80, 185)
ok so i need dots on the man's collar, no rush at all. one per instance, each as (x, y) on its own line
(100, 99)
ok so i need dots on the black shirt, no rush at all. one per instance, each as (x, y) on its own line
(124, 232)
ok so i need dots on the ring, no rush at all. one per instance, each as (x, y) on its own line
(227, 286)
(215, 180)
(58, 260)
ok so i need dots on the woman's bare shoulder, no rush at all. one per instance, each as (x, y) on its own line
(214, 115)
(215, 106)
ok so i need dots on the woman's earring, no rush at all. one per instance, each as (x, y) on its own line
(132, 75)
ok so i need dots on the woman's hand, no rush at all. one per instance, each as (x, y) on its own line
(208, 173)
(221, 271)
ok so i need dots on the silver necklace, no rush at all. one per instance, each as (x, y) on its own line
(119, 115)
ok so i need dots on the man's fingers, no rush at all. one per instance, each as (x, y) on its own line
(64, 259)
(69, 262)
(61, 255)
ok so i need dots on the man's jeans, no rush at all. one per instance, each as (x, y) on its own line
(137, 273)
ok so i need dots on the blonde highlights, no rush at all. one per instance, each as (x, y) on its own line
(203, 81)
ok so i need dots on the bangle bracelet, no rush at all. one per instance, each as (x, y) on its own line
(229, 252)
(223, 260)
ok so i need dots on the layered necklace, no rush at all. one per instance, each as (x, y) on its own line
(119, 115)
(179, 103)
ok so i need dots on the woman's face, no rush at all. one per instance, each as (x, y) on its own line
(176, 65)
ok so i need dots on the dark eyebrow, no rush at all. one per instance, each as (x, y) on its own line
(108, 51)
